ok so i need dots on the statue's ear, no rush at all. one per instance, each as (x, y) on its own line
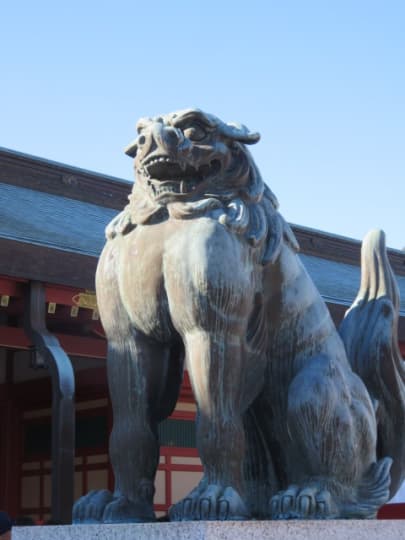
(238, 132)
(131, 149)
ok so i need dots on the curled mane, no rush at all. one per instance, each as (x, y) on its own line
(249, 209)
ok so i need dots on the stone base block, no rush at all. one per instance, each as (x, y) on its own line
(215, 530)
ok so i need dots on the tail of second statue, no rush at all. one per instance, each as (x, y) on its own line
(370, 334)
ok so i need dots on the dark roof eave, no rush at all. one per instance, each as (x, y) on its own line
(39, 174)
(340, 248)
(46, 264)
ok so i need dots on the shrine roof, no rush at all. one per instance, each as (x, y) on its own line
(339, 282)
(53, 221)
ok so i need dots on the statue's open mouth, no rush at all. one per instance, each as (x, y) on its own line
(164, 175)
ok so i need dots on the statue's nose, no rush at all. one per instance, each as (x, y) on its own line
(160, 137)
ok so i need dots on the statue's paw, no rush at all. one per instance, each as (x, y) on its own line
(212, 503)
(309, 502)
(123, 510)
(90, 507)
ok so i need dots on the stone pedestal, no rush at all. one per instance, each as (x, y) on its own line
(213, 530)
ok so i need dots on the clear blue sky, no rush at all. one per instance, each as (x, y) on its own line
(322, 81)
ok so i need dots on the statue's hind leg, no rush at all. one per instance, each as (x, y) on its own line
(330, 448)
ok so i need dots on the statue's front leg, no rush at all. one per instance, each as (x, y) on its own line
(137, 377)
(211, 293)
(216, 372)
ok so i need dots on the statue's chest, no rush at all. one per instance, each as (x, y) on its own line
(141, 281)
(164, 262)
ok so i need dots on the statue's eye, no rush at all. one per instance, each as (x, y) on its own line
(194, 132)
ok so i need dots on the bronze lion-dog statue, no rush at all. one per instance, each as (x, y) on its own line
(295, 419)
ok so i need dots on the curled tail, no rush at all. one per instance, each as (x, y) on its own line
(370, 334)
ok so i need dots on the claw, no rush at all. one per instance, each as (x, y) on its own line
(287, 503)
(205, 509)
(275, 505)
(210, 502)
(223, 509)
(304, 505)
(187, 509)
(90, 507)
(323, 503)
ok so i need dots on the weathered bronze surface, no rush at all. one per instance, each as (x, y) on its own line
(200, 269)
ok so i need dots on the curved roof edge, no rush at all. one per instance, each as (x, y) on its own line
(57, 164)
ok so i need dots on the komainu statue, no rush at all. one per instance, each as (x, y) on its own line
(295, 419)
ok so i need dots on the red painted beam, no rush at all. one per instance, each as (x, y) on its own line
(61, 295)
(15, 338)
(10, 287)
(392, 511)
